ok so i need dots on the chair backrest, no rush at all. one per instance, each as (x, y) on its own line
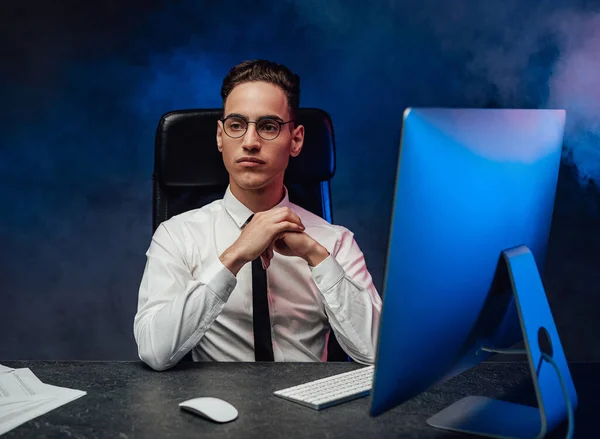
(189, 171)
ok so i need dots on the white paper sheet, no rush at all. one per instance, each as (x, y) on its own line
(24, 397)
(18, 385)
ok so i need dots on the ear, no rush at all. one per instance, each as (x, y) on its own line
(297, 140)
(220, 136)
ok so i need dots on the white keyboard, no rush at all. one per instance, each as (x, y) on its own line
(332, 390)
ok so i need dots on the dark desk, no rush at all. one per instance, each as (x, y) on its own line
(128, 400)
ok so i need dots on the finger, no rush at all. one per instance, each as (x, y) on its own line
(277, 215)
(262, 260)
(270, 252)
(287, 214)
(293, 217)
(279, 245)
(287, 226)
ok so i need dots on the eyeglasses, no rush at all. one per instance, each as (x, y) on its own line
(267, 128)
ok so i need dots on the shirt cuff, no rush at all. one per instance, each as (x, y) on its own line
(327, 274)
(219, 279)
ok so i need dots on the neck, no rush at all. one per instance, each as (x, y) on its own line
(259, 200)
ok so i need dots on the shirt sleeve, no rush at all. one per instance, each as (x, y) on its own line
(175, 308)
(352, 303)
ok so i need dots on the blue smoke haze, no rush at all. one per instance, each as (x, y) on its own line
(85, 85)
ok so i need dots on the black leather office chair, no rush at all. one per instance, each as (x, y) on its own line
(189, 170)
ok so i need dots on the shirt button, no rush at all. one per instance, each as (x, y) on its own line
(319, 278)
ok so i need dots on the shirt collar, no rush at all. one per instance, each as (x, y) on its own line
(239, 212)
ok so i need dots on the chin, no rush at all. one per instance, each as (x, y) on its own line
(251, 182)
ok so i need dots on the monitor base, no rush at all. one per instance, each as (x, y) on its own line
(555, 392)
(489, 417)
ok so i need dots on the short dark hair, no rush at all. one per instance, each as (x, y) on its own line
(266, 71)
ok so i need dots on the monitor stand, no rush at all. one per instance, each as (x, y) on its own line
(556, 396)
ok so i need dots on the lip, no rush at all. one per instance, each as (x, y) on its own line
(250, 161)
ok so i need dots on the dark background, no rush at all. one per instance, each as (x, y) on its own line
(84, 84)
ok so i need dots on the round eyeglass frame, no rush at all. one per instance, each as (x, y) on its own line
(248, 122)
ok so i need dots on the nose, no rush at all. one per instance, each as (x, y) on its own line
(251, 139)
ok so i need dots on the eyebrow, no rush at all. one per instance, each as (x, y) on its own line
(266, 116)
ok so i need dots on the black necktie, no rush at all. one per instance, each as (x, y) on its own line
(263, 347)
(261, 322)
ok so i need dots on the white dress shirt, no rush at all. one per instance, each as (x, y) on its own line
(188, 300)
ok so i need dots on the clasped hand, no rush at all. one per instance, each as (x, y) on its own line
(277, 230)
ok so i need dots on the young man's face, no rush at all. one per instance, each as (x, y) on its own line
(252, 162)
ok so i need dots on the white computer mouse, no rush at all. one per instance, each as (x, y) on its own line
(214, 409)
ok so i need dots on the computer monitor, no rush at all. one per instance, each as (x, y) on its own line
(471, 218)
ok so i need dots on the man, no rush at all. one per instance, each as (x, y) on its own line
(200, 285)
